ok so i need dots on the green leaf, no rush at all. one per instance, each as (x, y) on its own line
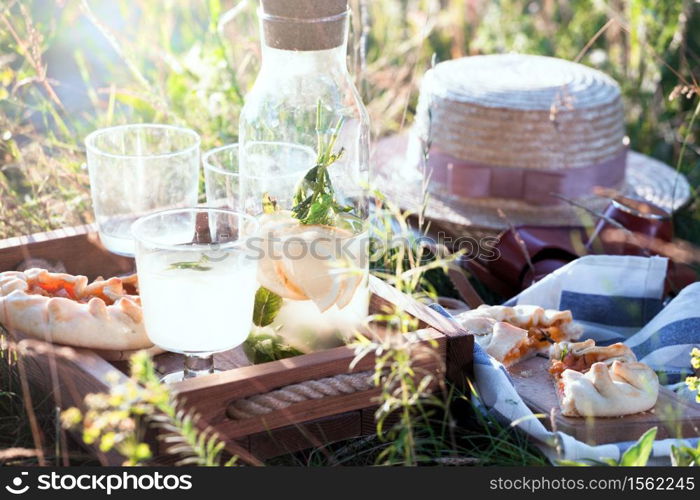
(142, 106)
(214, 12)
(267, 305)
(321, 212)
(314, 198)
(193, 266)
(638, 454)
(684, 456)
(142, 452)
(107, 441)
(564, 352)
(197, 265)
(269, 204)
(572, 463)
(264, 345)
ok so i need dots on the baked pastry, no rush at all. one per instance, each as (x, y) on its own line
(594, 381)
(513, 334)
(608, 391)
(67, 309)
(580, 356)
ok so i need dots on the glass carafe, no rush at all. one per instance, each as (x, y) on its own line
(305, 95)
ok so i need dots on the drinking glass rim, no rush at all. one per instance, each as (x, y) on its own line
(91, 137)
(239, 242)
(236, 145)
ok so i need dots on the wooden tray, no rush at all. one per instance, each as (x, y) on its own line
(69, 374)
(674, 416)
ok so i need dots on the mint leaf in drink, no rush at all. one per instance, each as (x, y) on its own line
(264, 344)
(267, 305)
(192, 265)
(314, 199)
(321, 211)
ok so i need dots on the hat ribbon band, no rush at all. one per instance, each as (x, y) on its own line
(466, 179)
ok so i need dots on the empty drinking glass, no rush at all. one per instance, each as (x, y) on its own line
(138, 169)
(273, 169)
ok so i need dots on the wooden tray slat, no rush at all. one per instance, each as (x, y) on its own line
(315, 434)
(236, 383)
(78, 249)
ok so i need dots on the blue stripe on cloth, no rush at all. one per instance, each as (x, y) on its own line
(683, 331)
(667, 377)
(674, 363)
(480, 356)
(610, 310)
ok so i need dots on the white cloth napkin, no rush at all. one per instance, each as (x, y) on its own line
(616, 298)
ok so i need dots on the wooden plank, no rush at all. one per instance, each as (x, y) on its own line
(67, 375)
(161, 457)
(460, 345)
(460, 362)
(674, 416)
(257, 379)
(78, 249)
(297, 413)
(369, 422)
(465, 289)
(315, 434)
(212, 394)
(312, 409)
(392, 296)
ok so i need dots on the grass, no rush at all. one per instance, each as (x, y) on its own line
(477, 441)
(69, 67)
(24, 419)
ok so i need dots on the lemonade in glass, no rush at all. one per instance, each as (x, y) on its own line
(197, 282)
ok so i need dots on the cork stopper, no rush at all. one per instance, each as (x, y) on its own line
(304, 24)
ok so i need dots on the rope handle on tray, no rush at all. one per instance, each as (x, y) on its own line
(262, 404)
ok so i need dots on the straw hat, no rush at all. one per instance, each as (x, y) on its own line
(507, 131)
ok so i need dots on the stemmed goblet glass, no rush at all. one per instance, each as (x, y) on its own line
(197, 282)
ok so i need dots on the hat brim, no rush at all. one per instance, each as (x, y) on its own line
(403, 184)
